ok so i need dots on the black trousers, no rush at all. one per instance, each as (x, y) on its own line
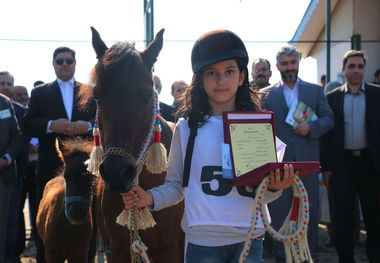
(331, 226)
(357, 175)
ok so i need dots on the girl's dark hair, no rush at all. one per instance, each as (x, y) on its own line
(196, 106)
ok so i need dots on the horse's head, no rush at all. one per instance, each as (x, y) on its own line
(78, 181)
(123, 88)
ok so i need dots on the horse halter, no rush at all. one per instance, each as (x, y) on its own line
(78, 198)
(155, 121)
(119, 152)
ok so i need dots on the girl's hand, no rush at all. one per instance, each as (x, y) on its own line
(275, 178)
(137, 197)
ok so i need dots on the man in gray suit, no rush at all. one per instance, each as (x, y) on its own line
(302, 139)
(10, 145)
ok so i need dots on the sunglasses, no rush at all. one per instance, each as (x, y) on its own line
(60, 61)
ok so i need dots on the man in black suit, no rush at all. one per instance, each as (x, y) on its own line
(10, 146)
(16, 206)
(350, 157)
(54, 111)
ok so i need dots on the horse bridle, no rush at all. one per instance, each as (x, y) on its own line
(119, 152)
(125, 153)
(78, 198)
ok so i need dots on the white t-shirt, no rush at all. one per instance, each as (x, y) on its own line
(216, 213)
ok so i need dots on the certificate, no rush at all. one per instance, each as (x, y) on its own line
(250, 138)
(252, 146)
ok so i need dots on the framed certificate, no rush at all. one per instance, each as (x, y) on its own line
(251, 139)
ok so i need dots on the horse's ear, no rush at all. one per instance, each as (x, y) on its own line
(61, 149)
(150, 54)
(98, 44)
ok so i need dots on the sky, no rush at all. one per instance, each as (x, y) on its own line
(31, 30)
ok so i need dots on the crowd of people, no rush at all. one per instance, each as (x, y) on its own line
(344, 138)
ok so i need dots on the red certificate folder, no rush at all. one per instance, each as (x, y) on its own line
(255, 176)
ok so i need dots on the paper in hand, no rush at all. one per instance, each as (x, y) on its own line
(227, 163)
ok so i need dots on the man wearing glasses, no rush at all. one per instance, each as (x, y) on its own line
(54, 111)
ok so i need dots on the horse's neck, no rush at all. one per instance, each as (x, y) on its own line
(167, 133)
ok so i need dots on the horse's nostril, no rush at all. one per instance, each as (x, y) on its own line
(130, 171)
(78, 211)
(117, 172)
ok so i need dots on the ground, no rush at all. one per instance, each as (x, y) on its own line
(326, 255)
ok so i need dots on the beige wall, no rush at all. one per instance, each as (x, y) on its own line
(346, 21)
(366, 23)
(341, 29)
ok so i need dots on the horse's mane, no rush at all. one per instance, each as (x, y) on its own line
(74, 145)
(119, 56)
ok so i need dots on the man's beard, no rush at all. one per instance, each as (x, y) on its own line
(289, 79)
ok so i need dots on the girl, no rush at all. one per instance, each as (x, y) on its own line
(217, 216)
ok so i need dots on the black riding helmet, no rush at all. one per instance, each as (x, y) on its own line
(215, 46)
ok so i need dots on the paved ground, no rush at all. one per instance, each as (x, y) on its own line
(326, 255)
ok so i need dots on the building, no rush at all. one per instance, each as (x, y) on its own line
(354, 25)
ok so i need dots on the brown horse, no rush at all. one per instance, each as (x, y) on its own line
(122, 84)
(64, 219)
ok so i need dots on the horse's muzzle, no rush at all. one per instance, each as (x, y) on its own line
(78, 212)
(118, 172)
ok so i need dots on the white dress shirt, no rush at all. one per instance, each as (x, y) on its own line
(67, 92)
(290, 94)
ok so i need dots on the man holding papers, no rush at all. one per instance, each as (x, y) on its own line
(302, 139)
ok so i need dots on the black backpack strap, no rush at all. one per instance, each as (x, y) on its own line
(189, 155)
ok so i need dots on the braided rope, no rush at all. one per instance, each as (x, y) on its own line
(293, 233)
(139, 248)
(134, 236)
(148, 138)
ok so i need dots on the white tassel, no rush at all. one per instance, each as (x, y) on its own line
(156, 161)
(155, 158)
(122, 219)
(144, 219)
(96, 155)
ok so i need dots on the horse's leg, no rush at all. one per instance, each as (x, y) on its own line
(77, 259)
(53, 257)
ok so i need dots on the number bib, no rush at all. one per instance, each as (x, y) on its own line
(210, 199)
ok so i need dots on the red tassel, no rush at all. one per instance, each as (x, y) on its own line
(97, 140)
(157, 136)
(157, 131)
